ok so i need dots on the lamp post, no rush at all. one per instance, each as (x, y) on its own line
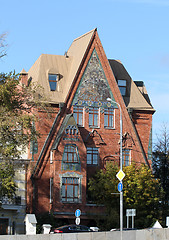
(121, 164)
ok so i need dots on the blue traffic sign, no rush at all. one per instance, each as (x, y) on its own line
(77, 213)
(120, 186)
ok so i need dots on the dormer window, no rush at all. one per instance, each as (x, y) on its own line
(53, 79)
(122, 86)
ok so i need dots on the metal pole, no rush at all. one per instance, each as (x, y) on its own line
(127, 221)
(132, 221)
(121, 164)
(121, 168)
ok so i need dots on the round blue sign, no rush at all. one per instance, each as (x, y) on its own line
(120, 187)
(77, 213)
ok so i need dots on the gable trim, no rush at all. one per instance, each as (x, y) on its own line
(45, 145)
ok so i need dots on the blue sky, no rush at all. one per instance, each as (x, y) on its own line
(134, 31)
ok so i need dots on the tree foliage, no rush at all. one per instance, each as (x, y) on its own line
(17, 113)
(140, 191)
(161, 166)
(7, 184)
(19, 107)
(18, 104)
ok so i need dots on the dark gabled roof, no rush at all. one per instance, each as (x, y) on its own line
(137, 97)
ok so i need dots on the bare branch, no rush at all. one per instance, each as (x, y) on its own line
(3, 45)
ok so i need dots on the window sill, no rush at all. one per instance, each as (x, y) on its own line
(71, 202)
(112, 128)
(94, 205)
(92, 165)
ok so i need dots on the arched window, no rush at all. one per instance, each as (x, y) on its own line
(71, 130)
(70, 154)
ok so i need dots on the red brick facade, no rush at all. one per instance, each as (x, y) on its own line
(46, 176)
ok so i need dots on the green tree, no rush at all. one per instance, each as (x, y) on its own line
(17, 106)
(7, 184)
(161, 166)
(140, 191)
(18, 112)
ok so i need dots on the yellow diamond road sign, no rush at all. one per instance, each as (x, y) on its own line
(120, 175)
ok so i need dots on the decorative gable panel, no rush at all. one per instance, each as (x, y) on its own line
(93, 89)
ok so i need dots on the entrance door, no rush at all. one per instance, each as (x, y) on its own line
(3, 226)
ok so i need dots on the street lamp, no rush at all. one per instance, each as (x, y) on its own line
(121, 163)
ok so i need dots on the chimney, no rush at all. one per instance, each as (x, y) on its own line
(24, 77)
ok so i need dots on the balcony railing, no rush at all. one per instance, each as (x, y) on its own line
(11, 201)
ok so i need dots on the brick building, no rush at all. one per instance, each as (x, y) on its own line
(83, 133)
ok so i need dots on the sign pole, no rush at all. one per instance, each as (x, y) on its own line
(77, 214)
(127, 221)
(121, 163)
(132, 221)
(130, 213)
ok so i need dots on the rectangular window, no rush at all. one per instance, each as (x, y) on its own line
(70, 189)
(53, 78)
(93, 116)
(122, 86)
(109, 117)
(126, 157)
(78, 115)
(70, 154)
(92, 156)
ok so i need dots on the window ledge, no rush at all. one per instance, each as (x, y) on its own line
(71, 202)
(92, 165)
(94, 205)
